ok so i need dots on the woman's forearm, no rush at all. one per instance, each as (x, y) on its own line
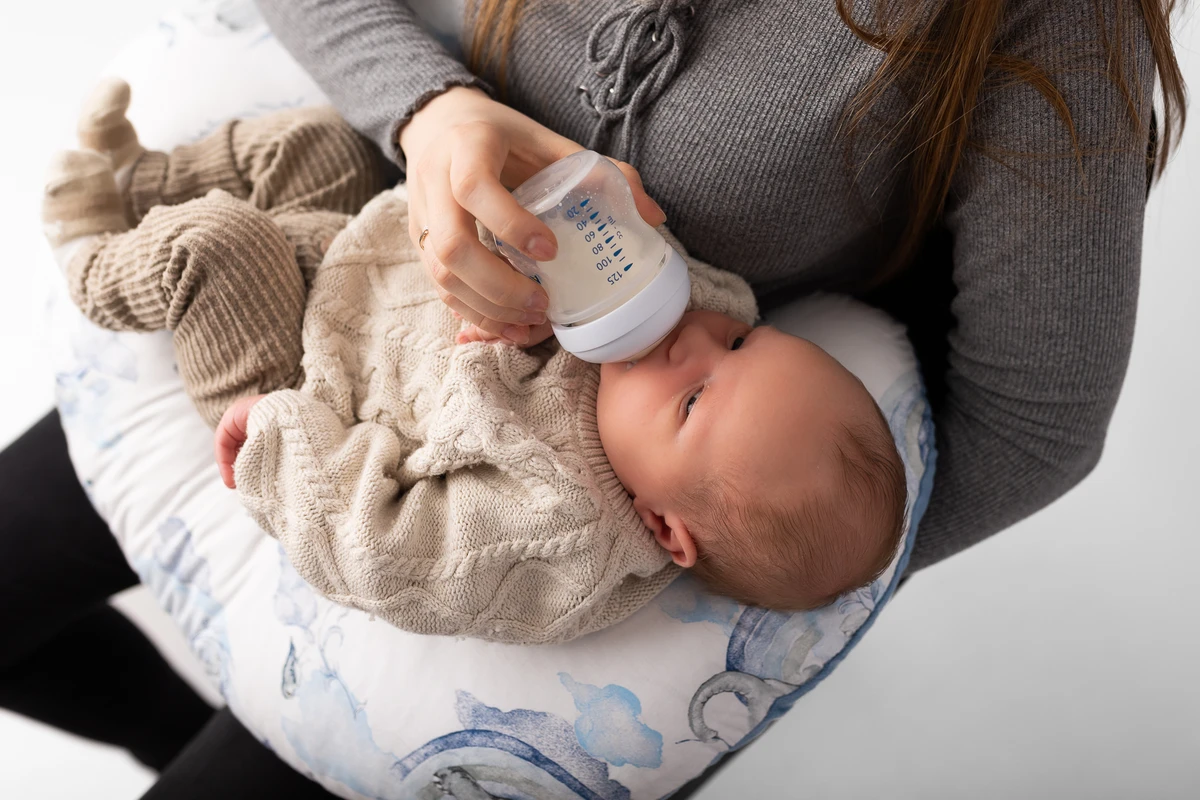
(371, 57)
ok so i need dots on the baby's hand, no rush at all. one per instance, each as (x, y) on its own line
(231, 435)
(473, 333)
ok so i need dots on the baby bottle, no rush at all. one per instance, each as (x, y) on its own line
(616, 288)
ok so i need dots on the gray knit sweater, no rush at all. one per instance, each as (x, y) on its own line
(731, 110)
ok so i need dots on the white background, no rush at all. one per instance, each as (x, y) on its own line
(1058, 660)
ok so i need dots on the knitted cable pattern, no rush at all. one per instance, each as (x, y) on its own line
(447, 490)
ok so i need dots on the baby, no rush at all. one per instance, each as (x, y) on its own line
(519, 495)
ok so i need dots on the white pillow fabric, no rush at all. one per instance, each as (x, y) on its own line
(633, 711)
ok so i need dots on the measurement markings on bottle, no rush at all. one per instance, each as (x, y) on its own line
(589, 236)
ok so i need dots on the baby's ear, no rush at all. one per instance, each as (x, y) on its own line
(670, 532)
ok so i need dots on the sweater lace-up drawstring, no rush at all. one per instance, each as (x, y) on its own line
(643, 55)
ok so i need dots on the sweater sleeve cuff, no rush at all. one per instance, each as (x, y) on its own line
(263, 427)
(372, 58)
(268, 412)
(390, 141)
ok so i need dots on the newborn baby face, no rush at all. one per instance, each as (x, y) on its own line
(756, 407)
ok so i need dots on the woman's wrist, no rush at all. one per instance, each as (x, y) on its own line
(432, 117)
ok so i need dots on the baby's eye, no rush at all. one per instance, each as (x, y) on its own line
(737, 343)
(691, 402)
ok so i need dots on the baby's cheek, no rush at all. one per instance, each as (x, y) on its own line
(612, 430)
(618, 432)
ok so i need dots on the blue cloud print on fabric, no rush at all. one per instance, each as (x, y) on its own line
(608, 726)
(179, 579)
(82, 394)
(334, 738)
(685, 600)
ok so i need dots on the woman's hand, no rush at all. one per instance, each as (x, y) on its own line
(463, 149)
(231, 435)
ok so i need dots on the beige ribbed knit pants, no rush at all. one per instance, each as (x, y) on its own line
(229, 231)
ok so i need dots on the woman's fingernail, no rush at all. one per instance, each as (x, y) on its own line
(516, 333)
(540, 248)
(533, 318)
(537, 302)
(656, 205)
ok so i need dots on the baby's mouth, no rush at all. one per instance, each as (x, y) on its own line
(666, 341)
(640, 355)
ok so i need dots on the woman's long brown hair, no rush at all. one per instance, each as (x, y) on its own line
(941, 62)
(491, 24)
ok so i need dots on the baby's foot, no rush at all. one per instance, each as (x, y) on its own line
(104, 128)
(81, 197)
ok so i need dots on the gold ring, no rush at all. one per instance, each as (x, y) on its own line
(421, 241)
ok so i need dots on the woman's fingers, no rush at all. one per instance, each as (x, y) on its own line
(650, 210)
(449, 285)
(462, 305)
(539, 334)
(475, 184)
(458, 176)
(460, 261)
(473, 333)
(462, 310)
(416, 209)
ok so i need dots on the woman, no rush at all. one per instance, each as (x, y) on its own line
(805, 149)
(979, 169)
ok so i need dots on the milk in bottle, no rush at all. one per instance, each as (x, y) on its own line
(616, 288)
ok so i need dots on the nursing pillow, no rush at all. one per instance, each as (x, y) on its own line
(633, 711)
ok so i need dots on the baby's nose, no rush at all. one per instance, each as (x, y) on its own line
(693, 340)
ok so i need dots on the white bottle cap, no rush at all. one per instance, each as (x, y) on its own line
(635, 327)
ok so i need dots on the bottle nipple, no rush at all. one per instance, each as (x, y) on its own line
(638, 356)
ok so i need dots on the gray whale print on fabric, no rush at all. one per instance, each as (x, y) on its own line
(507, 755)
(517, 754)
(764, 663)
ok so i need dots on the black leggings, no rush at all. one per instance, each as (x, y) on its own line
(70, 660)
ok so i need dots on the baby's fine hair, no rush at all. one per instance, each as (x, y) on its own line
(806, 553)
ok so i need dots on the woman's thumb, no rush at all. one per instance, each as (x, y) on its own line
(651, 211)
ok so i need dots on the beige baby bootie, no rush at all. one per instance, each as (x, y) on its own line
(103, 126)
(81, 197)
